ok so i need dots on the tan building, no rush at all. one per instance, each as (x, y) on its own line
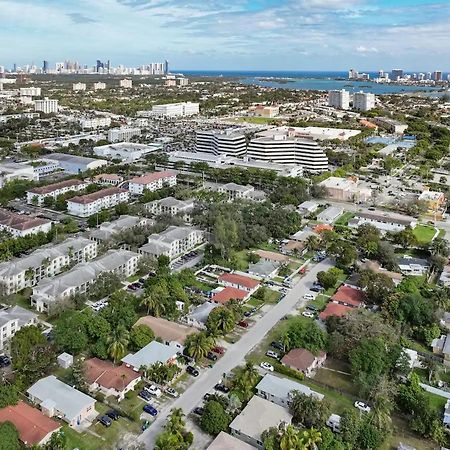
(346, 189)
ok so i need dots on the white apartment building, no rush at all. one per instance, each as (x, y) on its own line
(235, 191)
(126, 151)
(363, 101)
(123, 134)
(173, 242)
(285, 149)
(94, 123)
(37, 195)
(49, 291)
(12, 319)
(176, 109)
(107, 230)
(183, 81)
(230, 142)
(339, 99)
(89, 204)
(126, 83)
(99, 86)
(47, 106)
(152, 182)
(20, 225)
(78, 87)
(45, 262)
(30, 92)
(172, 207)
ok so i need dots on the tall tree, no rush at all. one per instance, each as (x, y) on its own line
(118, 342)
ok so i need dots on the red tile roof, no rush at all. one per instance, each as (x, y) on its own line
(151, 177)
(229, 293)
(20, 222)
(334, 309)
(240, 280)
(32, 425)
(107, 375)
(349, 295)
(300, 359)
(55, 186)
(89, 198)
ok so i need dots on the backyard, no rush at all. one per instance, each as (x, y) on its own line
(424, 233)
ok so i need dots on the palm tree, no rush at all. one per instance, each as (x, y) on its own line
(438, 247)
(118, 342)
(246, 379)
(312, 243)
(221, 320)
(286, 341)
(289, 439)
(154, 302)
(441, 297)
(198, 345)
(310, 438)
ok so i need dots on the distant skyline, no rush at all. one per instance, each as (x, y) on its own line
(271, 35)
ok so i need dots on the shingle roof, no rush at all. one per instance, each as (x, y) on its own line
(351, 296)
(20, 222)
(151, 177)
(300, 358)
(107, 375)
(229, 293)
(334, 309)
(55, 186)
(241, 280)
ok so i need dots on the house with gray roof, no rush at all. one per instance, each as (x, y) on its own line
(49, 291)
(280, 390)
(199, 315)
(57, 399)
(413, 266)
(264, 268)
(330, 215)
(151, 354)
(441, 347)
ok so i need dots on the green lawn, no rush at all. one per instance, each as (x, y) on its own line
(424, 233)
(345, 218)
(20, 299)
(82, 441)
(335, 379)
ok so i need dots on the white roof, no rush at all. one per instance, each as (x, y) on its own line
(225, 441)
(150, 354)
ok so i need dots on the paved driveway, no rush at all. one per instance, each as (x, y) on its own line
(234, 355)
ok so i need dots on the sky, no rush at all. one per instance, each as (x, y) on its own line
(230, 34)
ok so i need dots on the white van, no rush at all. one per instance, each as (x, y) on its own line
(334, 422)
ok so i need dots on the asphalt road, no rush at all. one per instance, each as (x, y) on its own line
(235, 354)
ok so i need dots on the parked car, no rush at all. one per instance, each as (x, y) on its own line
(150, 410)
(243, 324)
(145, 425)
(362, 406)
(316, 289)
(308, 314)
(334, 422)
(211, 356)
(5, 361)
(207, 396)
(219, 350)
(266, 366)
(311, 307)
(153, 390)
(172, 392)
(192, 371)
(222, 388)
(247, 313)
(106, 421)
(198, 410)
(308, 296)
(278, 345)
(272, 354)
(114, 415)
(142, 280)
(145, 395)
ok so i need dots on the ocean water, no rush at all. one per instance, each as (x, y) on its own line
(320, 81)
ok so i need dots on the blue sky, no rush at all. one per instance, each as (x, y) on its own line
(230, 34)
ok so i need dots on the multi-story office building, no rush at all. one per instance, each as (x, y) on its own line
(78, 87)
(353, 74)
(123, 134)
(173, 242)
(363, 101)
(30, 92)
(50, 291)
(397, 74)
(126, 83)
(12, 319)
(37, 195)
(437, 75)
(89, 204)
(152, 182)
(230, 142)
(47, 106)
(174, 109)
(289, 149)
(339, 99)
(45, 262)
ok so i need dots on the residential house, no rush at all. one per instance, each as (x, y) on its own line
(349, 296)
(45, 262)
(151, 354)
(57, 399)
(37, 195)
(173, 242)
(374, 266)
(152, 182)
(413, 266)
(294, 248)
(89, 204)
(308, 207)
(330, 215)
(107, 230)
(303, 360)
(223, 295)
(280, 390)
(49, 291)
(109, 379)
(34, 428)
(334, 309)
(199, 315)
(258, 416)
(384, 223)
(172, 207)
(12, 319)
(241, 282)
(278, 258)
(445, 321)
(20, 225)
(170, 333)
(225, 441)
(263, 269)
(441, 347)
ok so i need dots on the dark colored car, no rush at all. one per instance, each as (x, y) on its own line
(198, 410)
(311, 308)
(145, 395)
(277, 345)
(222, 388)
(211, 356)
(219, 350)
(5, 361)
(150, 410)
(193, 371)
(243, 324)
(105, 420)
(247, 313)
(114, 415)
(142, 280)
(207, 396)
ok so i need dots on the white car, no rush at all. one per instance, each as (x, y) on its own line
(308, 314)
(362, 406)
(172, 392)
(267, 366)
(308, 297)
(153, 390)
(272, 354)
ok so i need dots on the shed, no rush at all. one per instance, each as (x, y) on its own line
(65, 360)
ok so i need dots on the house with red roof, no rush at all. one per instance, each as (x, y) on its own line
(349, 296)
(152, 182)
(109, 379)
(33, 426)
(224, 295)
(241, 282)
(303, 360)
(334, 309)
